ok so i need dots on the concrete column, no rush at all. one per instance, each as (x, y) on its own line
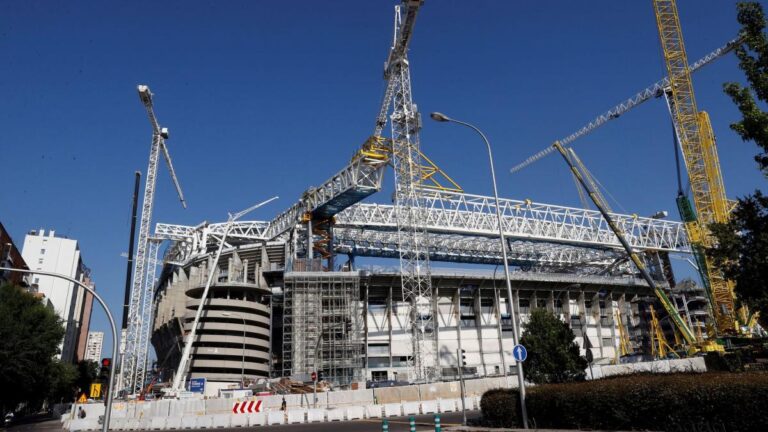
(389, 327)
(457, 309)
(596, 312)
(497, 308)
(479, 328)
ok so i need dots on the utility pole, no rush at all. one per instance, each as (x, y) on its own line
(462, 361)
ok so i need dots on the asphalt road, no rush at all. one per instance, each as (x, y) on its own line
(424, 423)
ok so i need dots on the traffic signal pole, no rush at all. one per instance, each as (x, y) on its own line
(462, 362)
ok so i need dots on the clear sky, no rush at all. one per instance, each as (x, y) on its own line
(266, 98)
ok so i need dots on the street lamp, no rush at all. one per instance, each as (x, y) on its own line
(440, 117)
(242, 364)
(115, 342)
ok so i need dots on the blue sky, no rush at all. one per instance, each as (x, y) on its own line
(267, 98)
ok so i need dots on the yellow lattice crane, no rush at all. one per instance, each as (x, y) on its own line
(694, 133)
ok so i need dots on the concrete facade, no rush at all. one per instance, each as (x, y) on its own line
(44, 251)
(233, 340)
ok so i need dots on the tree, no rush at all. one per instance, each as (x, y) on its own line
(30, 334)
(87, 373)
(553, 356)
(741, 248)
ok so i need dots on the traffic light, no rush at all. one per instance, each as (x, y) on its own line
(463, 358)
(106, 366)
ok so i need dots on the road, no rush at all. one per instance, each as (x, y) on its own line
(424, 423)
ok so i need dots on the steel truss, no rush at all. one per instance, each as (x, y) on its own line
(147, 309)
(463, 228)
(454, 213)
(477, 250)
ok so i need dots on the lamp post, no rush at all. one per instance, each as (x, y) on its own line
(242, 364)
(115, 342)
(520, 377)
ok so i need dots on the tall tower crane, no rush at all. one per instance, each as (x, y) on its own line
(134, 364)
(407, 161)
(694, 133)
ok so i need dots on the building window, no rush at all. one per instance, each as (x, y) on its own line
(607, 342)
(39, 260)
(42, 251)
(378, 375)
(37, 279)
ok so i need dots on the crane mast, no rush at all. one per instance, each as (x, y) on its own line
(133, 369)
(700, 154)
(407, 162)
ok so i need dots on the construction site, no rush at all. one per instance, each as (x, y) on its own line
(262, 304)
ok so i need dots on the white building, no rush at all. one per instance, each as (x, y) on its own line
(94, 346)
(71, 302)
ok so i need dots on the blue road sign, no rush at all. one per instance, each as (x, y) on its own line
(519, 353)
(197, 385)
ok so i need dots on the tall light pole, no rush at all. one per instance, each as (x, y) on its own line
(115, 341)
(520, 377)
(242, 364)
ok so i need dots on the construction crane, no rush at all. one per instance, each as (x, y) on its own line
(653, 91)
(696, 140)
(668, 305)
(133, 369)
(406, 159)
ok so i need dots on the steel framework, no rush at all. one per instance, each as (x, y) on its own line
(696, 139)
(132, 366)
(462, 228)
(467, 214)
(406, 158)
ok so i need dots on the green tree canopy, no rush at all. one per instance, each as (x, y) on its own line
(742, 244)
(553, 356)
(30, 334)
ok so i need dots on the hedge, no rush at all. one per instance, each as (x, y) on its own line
(710, 401)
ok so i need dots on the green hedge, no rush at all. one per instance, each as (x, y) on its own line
(711, 401)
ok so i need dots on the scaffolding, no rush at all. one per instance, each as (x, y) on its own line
(322, 326)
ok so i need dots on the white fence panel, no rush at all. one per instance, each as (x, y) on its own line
(315, 415)
(410, 408)
(428, 407)
(354, 413)
(296, 415)
(393, 409)
(446, 405)
(257, 419)
(373, 411)
(275, 417)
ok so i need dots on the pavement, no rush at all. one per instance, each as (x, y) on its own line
(424, 423)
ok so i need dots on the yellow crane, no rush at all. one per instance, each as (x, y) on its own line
(694, 133)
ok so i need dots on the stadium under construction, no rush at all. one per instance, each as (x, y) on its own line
(241, 301)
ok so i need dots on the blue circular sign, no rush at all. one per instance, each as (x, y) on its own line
(519, 353)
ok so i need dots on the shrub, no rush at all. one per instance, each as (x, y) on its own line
(711, 401)
(500, 408)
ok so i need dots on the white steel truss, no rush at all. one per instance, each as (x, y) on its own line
(132, 366)
(406, 160)
(458, 213)
(463, 228)
(145, 327)
(475, 250)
